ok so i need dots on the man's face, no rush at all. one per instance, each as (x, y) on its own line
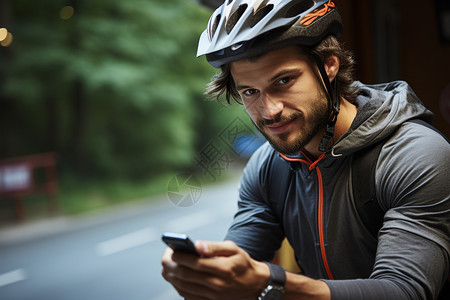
(282, 95)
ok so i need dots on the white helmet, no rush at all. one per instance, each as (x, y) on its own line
(243, 28)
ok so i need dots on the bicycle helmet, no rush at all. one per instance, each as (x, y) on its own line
(241, 29)
(244, 28)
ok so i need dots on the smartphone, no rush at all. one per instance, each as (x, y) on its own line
(179, 242)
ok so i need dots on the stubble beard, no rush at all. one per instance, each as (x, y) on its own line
(317, 121)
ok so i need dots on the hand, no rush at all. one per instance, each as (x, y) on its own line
(224, 271)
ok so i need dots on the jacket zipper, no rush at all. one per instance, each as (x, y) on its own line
(320, 224)
(312, 166)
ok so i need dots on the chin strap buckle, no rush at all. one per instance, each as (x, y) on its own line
(327, 137)
(329, 131)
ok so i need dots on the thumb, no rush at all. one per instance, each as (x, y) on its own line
(207, 248)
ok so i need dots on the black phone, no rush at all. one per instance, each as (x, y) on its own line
(179, 242)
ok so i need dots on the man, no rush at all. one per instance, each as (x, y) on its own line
(281, 58)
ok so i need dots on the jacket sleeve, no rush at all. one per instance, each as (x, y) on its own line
(255, 228)
(399, 275)
(412, 260)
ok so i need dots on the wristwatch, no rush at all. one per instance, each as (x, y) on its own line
(275, 288)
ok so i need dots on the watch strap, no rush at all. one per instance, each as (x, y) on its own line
(277, 274)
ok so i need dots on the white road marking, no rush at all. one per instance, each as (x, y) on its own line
(12, 277)
(170, 294)
(148, 235)
(192, 221)
(127, 241)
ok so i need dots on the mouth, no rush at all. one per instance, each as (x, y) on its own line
(280, 127)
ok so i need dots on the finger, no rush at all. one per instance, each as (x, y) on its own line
(207, 248)
(218, 266)
(176, 265)
(185, 259)
(167, 263)
(186, 268)
(210, 265)
(218, 258)
(188, 294)
(209, 272)
(193, 285)
(189, 283)
(167, 256)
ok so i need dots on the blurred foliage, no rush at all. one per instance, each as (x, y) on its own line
(115, 90)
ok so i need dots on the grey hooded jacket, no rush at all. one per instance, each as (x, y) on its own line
(315, 208)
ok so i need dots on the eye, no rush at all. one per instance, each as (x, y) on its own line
(284, 80)
(249, 92)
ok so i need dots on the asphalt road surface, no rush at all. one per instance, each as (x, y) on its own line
(113, 255)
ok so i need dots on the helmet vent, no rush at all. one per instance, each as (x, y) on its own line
(235, 16)
(260, 13)
(229, 2)
(299, 8)
(214, 26)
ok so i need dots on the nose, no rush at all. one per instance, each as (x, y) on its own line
(270, 107)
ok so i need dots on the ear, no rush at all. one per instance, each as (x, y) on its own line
(332, 66)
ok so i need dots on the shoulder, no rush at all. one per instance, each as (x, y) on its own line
(260, 169)
(260, 159)
(416, 131)
(413, 166)
(413, 161)
(414, 148)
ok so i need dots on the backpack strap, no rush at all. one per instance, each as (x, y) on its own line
(364, 164)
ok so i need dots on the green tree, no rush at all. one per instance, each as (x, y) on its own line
(115, 89)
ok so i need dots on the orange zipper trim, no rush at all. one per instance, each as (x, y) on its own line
(313, 165)
(320, 223)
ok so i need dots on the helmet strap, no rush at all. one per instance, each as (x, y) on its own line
(333, 99)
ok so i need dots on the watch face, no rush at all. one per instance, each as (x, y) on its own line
(273, 292)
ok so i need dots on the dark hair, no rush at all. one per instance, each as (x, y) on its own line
(223, 84)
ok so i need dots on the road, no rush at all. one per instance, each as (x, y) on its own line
(114, 255)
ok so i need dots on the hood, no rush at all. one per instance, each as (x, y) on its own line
(382, 108)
